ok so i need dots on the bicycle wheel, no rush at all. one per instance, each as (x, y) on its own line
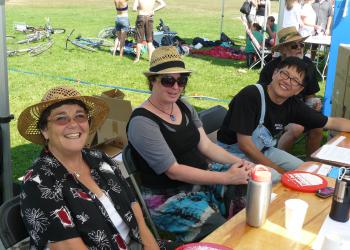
(58, 30)
(18, 52)
(37, 50)
(83, 46)
(108, 32)
(98, 42)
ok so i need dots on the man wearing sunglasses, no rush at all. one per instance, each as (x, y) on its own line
(246, 134)
(291, 44)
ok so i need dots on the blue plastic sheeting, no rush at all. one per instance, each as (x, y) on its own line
(340, 34)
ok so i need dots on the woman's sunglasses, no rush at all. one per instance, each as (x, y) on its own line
(65, 119)
(169, 81)
(297, 45)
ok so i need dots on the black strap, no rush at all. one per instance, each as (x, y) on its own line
(6, 119)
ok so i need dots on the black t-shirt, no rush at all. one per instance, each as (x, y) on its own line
(244, 114)
(311, 87)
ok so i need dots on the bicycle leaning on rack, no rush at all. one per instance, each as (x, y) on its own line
(90, 44)
(32, 51)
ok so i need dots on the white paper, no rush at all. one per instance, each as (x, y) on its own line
(334, 153)
(312, 168)
(306, 179)
(324, 169)
(330, 226)
(338, 140)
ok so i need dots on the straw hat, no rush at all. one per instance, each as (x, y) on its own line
(288, 35)
(166, 60)
(28, 120)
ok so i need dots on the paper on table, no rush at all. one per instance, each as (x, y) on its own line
(338, 140)
(330, 226)
(312, 168)
(324, 169)
(334, 153)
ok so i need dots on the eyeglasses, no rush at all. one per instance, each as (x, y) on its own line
(297, 45)
(294, 82)
(65, 119)
(169, 81)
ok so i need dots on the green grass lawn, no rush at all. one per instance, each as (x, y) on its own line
(218, 78)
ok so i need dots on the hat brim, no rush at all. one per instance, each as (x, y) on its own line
(295, 39)
(173, 70)
(27, 124)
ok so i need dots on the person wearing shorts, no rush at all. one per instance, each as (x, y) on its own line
(121, 25)
(144, 24)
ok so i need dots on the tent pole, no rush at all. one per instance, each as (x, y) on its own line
(5, 117)
(222, 16)
(267, 6)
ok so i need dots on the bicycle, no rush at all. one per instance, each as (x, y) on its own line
(32, 51)
(88, 43)
(24, 28)
(168, 36)
(37, 34)
(110, 32)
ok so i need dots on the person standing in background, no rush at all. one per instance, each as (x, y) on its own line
(323, 10)
(121, 25)
(308, 18)
(291, 16)
(260, 11)
(144, 24)
(324, 17)
(251, 16)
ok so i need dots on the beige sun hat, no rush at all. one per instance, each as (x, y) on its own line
(27, 124)
(166, 60)
(288, 35)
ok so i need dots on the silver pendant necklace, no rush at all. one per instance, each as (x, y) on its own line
(171, 115)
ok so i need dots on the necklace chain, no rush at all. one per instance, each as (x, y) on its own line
(171, 115)
(77, 172)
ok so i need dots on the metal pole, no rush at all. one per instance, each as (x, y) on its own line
(264, 28)
(222, 16)
(5, 117)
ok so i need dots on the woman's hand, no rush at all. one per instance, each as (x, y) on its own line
(239, 173)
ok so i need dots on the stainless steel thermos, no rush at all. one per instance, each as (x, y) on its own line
(258, 196)
(341, 198)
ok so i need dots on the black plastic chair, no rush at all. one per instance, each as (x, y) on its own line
(212, 118)
(12, 229)
(130, 167)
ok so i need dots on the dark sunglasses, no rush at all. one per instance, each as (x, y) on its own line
(297, 45)
(169, 81)
(65, 119)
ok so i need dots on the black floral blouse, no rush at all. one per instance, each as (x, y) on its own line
(56, 207)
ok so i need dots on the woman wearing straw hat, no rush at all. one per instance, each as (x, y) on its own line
(73, 197)
(171, 149)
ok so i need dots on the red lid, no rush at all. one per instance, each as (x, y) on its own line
(303, 181)
(260, 173)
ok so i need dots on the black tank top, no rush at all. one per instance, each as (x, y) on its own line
(182, 139)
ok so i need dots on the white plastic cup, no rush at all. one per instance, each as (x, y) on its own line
(335, 242)
(294, 216)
